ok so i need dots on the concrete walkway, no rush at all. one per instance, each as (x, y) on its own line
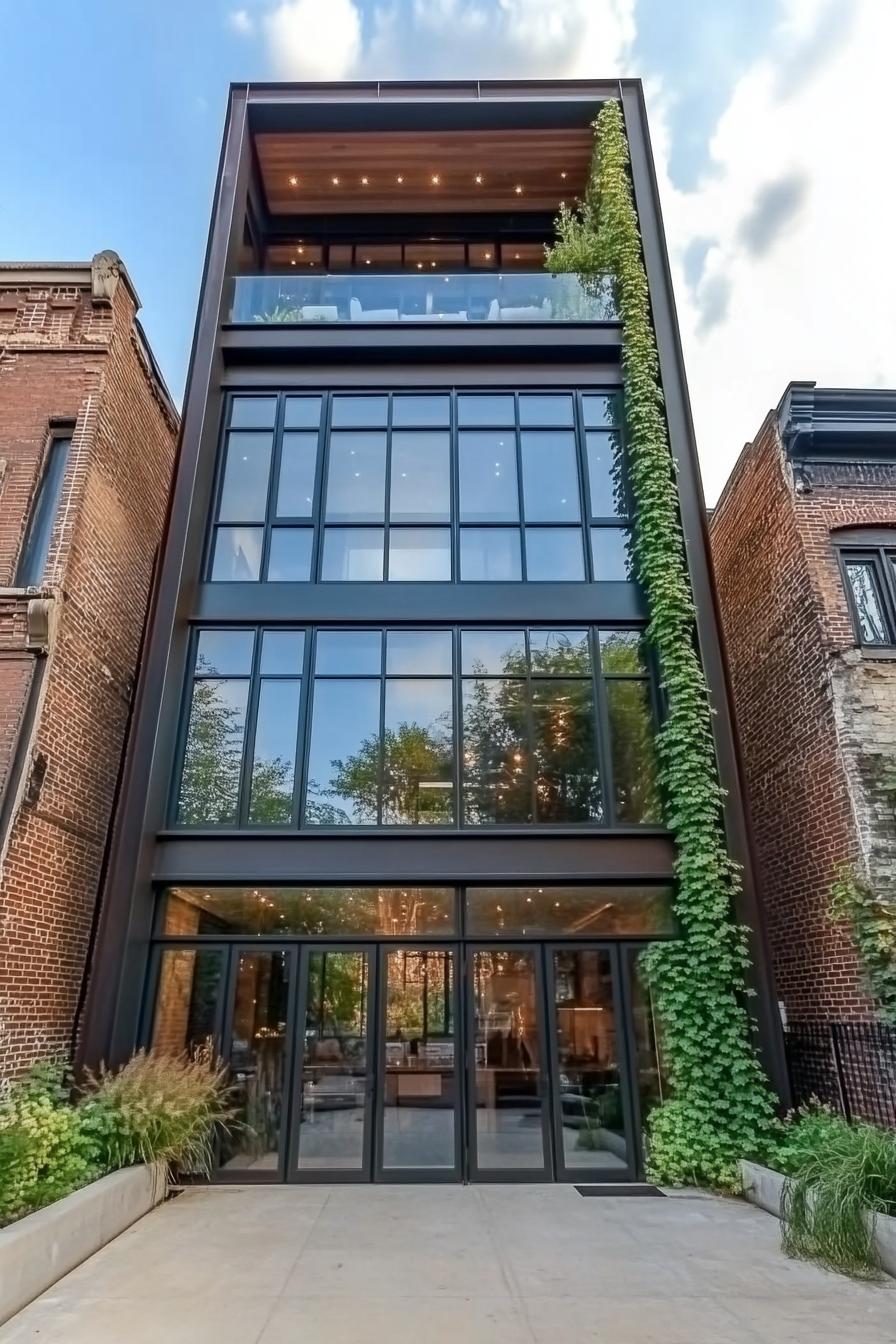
(480, 1265)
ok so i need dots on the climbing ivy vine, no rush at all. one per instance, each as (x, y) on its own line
(721, 1108)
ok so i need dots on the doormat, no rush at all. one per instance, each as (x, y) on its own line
(622, 1189)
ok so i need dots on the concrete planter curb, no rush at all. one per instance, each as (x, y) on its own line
(764, 1188)
(40, 1248)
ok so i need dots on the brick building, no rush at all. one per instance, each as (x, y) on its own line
(804, 546)
(87, 440)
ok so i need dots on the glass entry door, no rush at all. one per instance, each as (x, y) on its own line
(418, 1098)
(508, 1081)
(333, 1095)
(548, 1086)
(592, 1109)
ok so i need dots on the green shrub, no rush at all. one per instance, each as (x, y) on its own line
(839, 1177)
(158, 1108)
(45, 1152)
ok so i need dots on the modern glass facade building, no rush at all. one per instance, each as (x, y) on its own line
(390, 837)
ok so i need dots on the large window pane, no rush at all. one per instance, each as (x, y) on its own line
(315, 911)
(348, 652)
(298, 462)
(587, 911)
(495, 760)
(302, 413)
(488, 484)
(360, 412)
(186, 1011)
(863, 582)
(546, 410)
(244, 492)
(622, 653)
(334, 1113)
(418, 652)
(510, 1085)
(343, 761)
(558, 653)
(418, 765)
(611, 554)
(210, 783)
(225, 653)
(490, 554)
(554, 553)
(356, 478)
(485, 410)
(237, 557)
(550, 477)
(274, 763)
(420, 412)
(353, 554)
(420, 490)
(493, 652)
(289, 559)
(604, 476)
(601, 410)
(253, 412)
(566, 776)
(420, 554)
(632, 751)
(281, 652)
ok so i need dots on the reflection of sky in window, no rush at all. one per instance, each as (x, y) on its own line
(425, 703)
(346, 713)
(277, 722)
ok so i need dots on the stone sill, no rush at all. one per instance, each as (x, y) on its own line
(765, 1188)
(40, 1248)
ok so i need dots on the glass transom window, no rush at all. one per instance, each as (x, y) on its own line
(429, 487)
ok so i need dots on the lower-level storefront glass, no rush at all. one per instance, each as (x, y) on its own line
(418, 1033)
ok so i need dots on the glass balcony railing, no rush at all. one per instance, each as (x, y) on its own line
(518, 296)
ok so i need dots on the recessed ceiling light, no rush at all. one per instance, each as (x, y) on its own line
(478, 179)
(419, 265)
(432, 263)
(488, 256)
(563, 175)
(293, 181)
(516, 256)
(435, 179)
(293, 261)
(300, 250)
(366, 261)
(518, 189)
(363, 181)
(399, 179)
(335, 181)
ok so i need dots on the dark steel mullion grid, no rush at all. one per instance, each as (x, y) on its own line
(381, 763)
(264, 525)
(309, 522)
(273, 487)
(387, 502)
(248, 760)
(319, 520)
(887, 559)
(520, 507)
(625, 519)
(457, 703)
(259, 680)
(602, 729)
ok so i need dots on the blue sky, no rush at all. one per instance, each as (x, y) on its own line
(112, 116)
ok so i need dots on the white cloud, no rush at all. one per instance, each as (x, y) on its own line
(800, 281)
(240, 20)
(314, 39)
(418, 39)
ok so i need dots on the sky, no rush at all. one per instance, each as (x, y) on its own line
(771, 123)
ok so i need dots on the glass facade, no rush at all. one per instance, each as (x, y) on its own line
(431, 727)
(341, 1012)
(422, 488)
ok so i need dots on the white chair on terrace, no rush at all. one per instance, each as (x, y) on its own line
(359, 314)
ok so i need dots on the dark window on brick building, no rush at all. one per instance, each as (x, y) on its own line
(870, 576)
(36, 548)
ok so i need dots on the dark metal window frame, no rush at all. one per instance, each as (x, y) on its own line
(606, 822)
(585, 525)
(878, 550)
(360, 267)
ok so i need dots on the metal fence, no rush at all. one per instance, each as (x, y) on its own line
(850, 1066)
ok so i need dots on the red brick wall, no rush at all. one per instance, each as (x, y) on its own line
(63, 357)
(784, 616)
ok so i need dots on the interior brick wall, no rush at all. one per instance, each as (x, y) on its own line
(65, 358)
(810, 706)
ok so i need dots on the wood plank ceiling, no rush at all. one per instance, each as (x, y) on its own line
(315, 173)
